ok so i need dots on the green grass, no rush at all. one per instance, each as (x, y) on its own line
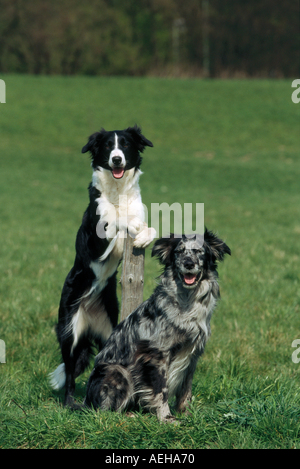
(233, 145)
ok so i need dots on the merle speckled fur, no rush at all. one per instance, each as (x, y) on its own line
(152, 355)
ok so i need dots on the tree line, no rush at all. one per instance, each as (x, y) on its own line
(150, 37)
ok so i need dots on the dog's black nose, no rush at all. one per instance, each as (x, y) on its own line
(116, 160)
(188, 263)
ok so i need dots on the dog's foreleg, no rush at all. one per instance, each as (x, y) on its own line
(184, 391)
(150, 376)
(183, 401)
(163, 411)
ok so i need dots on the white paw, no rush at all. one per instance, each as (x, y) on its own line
(144, 238)
(135, 226)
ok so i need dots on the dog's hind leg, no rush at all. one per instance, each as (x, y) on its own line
(93, 318)
(70, 383)
(110, 387)
(75, 364)
(76, 351)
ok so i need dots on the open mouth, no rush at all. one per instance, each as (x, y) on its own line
(118, 173)
(190, 280)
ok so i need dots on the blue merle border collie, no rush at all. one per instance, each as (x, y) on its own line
(88, 309)
(152, 355)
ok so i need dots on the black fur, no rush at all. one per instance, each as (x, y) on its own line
(88, 309)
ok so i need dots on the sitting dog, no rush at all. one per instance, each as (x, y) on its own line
(152, 354)
(88, 309)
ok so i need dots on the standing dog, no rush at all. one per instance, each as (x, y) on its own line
(88, 308)
(152, 355)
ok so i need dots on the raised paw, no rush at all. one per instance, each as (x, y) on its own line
(135, 226)
(144, 238)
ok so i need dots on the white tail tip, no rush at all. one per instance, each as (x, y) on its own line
(57, 379)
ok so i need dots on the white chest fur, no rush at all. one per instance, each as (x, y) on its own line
(120, 202)
(121, 209)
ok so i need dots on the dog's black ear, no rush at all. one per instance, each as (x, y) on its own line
(217, 246)
(138, 137)
(93, 140)
(163, 248)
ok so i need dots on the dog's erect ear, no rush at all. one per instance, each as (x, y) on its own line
(163, 248)
(217, 246)
(139, 139)
(93, 140)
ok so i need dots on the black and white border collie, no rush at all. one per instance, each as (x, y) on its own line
(88, 309)
(152, 354)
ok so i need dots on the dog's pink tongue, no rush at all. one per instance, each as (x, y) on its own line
(118, 173)
(189, 279)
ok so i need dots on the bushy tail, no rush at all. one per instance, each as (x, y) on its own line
(57, 379)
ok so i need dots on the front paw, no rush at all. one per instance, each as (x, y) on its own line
(135, 226)
(171, 420)
(164, 415)
(145, 237)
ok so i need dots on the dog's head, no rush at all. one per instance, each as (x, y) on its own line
(117, 150)
(191, 258)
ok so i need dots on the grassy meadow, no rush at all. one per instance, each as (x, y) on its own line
(233, 145)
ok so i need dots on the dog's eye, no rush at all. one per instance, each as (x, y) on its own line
(123, 143)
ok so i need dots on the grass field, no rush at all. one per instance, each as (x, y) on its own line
(233, 145)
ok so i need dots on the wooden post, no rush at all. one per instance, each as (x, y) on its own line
(132, 280)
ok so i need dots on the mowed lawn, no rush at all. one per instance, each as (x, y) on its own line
(232, 145)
